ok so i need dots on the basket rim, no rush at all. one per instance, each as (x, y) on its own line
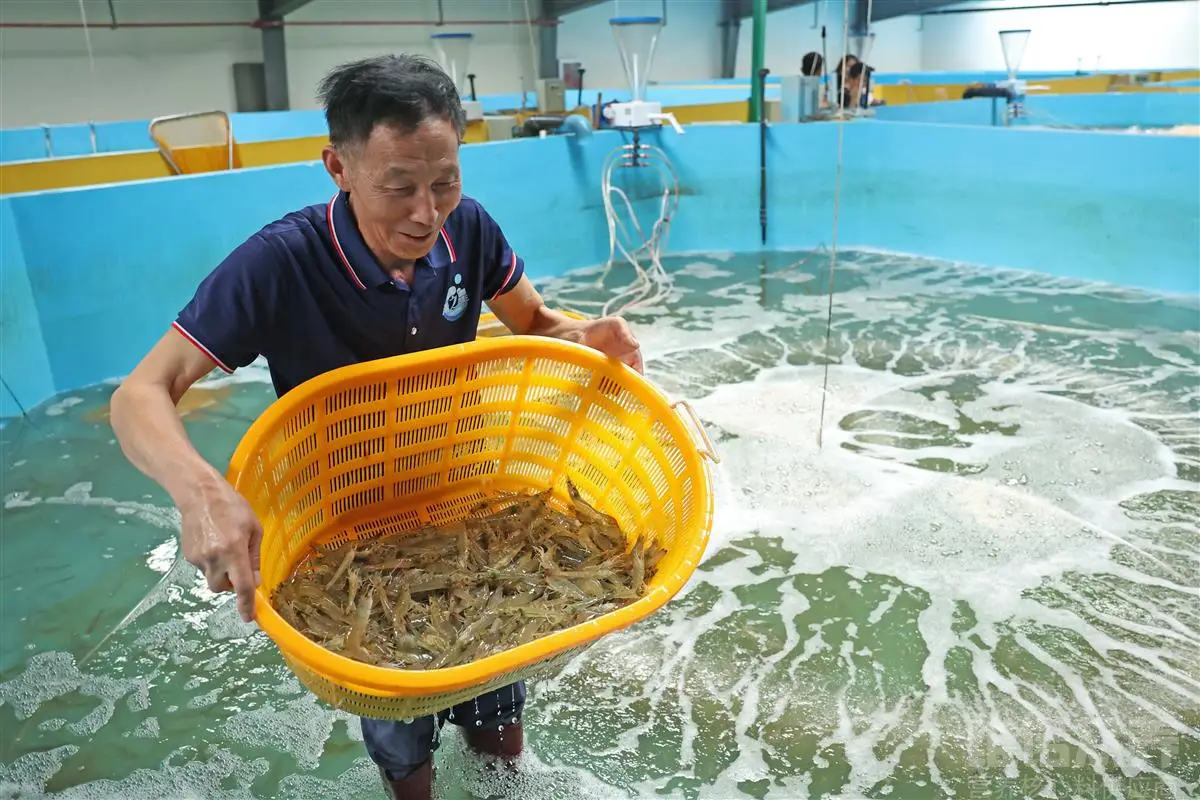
(389, 681)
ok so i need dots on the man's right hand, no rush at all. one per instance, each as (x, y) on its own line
(221, 537)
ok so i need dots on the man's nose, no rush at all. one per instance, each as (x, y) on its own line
(424, 209)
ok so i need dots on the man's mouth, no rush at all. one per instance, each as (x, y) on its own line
(421, 238)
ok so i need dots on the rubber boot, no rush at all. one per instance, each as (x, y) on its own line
(506, 744)
(417, 785)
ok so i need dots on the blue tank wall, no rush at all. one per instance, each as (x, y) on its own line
(93, 276)
(1140, 109)
(24, 144)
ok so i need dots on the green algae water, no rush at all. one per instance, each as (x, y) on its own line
(985, 582)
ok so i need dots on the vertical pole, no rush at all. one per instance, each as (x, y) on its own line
(761, 79)
(547, 51)
(274, 50)
(757, 57)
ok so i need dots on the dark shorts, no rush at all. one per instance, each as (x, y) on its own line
(401, 747)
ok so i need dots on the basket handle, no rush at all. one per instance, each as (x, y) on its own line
(709, 451)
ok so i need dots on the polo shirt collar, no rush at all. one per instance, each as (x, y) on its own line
(358, 260)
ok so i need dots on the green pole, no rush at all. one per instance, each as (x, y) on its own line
(757, 57)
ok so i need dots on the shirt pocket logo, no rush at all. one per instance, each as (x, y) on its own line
(456, 300)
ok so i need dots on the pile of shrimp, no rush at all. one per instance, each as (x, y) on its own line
(516, 570)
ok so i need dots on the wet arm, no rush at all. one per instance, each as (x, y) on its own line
(147, 424)
(523, 312)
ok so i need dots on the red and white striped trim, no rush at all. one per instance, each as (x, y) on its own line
(511, 269)
(183, 332)
(449, 247)
(338, 245)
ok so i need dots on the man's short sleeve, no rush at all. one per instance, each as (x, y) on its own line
(502, 267)
(229, 317)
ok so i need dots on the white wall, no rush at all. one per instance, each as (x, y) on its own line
(792, 32)
(501, 54)
(689, 46)
(46, 76)
(1117, 36)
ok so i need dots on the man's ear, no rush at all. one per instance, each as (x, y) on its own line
(335, 165)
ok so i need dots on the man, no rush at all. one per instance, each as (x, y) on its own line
(850, 81)
(812, 65)
(399, 260)
(812, 99)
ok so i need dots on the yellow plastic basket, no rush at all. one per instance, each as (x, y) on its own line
(387, 446)
(490, 324)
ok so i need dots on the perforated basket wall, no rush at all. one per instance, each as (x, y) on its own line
(388, 446)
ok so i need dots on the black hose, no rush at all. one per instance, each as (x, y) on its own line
(579, 94)
(471, 78)
(532, 126)
(762, 151)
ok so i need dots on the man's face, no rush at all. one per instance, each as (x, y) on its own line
(402, 187)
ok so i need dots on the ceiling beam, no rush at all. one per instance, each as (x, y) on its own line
(890, 9)
(745, 8)
(880, 9)
(278, 9)
(552, 9)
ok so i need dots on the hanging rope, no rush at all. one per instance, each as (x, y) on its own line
(837, 197)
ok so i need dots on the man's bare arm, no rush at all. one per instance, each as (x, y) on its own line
(147, 424)
(523, 311)
(220, 533)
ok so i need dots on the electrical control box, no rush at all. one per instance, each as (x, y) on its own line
(500, 127)
(552, 96)
(473, 109)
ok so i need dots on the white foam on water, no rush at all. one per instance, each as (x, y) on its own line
(702, 269)
(532, 777)
(60, 407)
(299, 728)
(957, 538)
(1042, 514)
(80, 494)
(27, 776)
(192, 780)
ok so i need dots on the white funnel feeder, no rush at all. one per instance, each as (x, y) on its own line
(637, 38)
(1013, 42)
(454, 54)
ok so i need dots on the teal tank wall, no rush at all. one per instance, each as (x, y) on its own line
(93, 276)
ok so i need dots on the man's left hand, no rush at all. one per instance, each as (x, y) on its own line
(611, 336)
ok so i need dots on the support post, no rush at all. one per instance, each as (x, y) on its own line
(860, 22)
(731, 28)
(274, 50)
(757, 58)
(275, 75)
(547, 54)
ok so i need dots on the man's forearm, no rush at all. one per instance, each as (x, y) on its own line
(547, 322)
(152, 437)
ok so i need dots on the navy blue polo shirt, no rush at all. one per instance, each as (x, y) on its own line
(306, 293)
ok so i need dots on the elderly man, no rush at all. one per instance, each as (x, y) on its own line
(397, 261)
